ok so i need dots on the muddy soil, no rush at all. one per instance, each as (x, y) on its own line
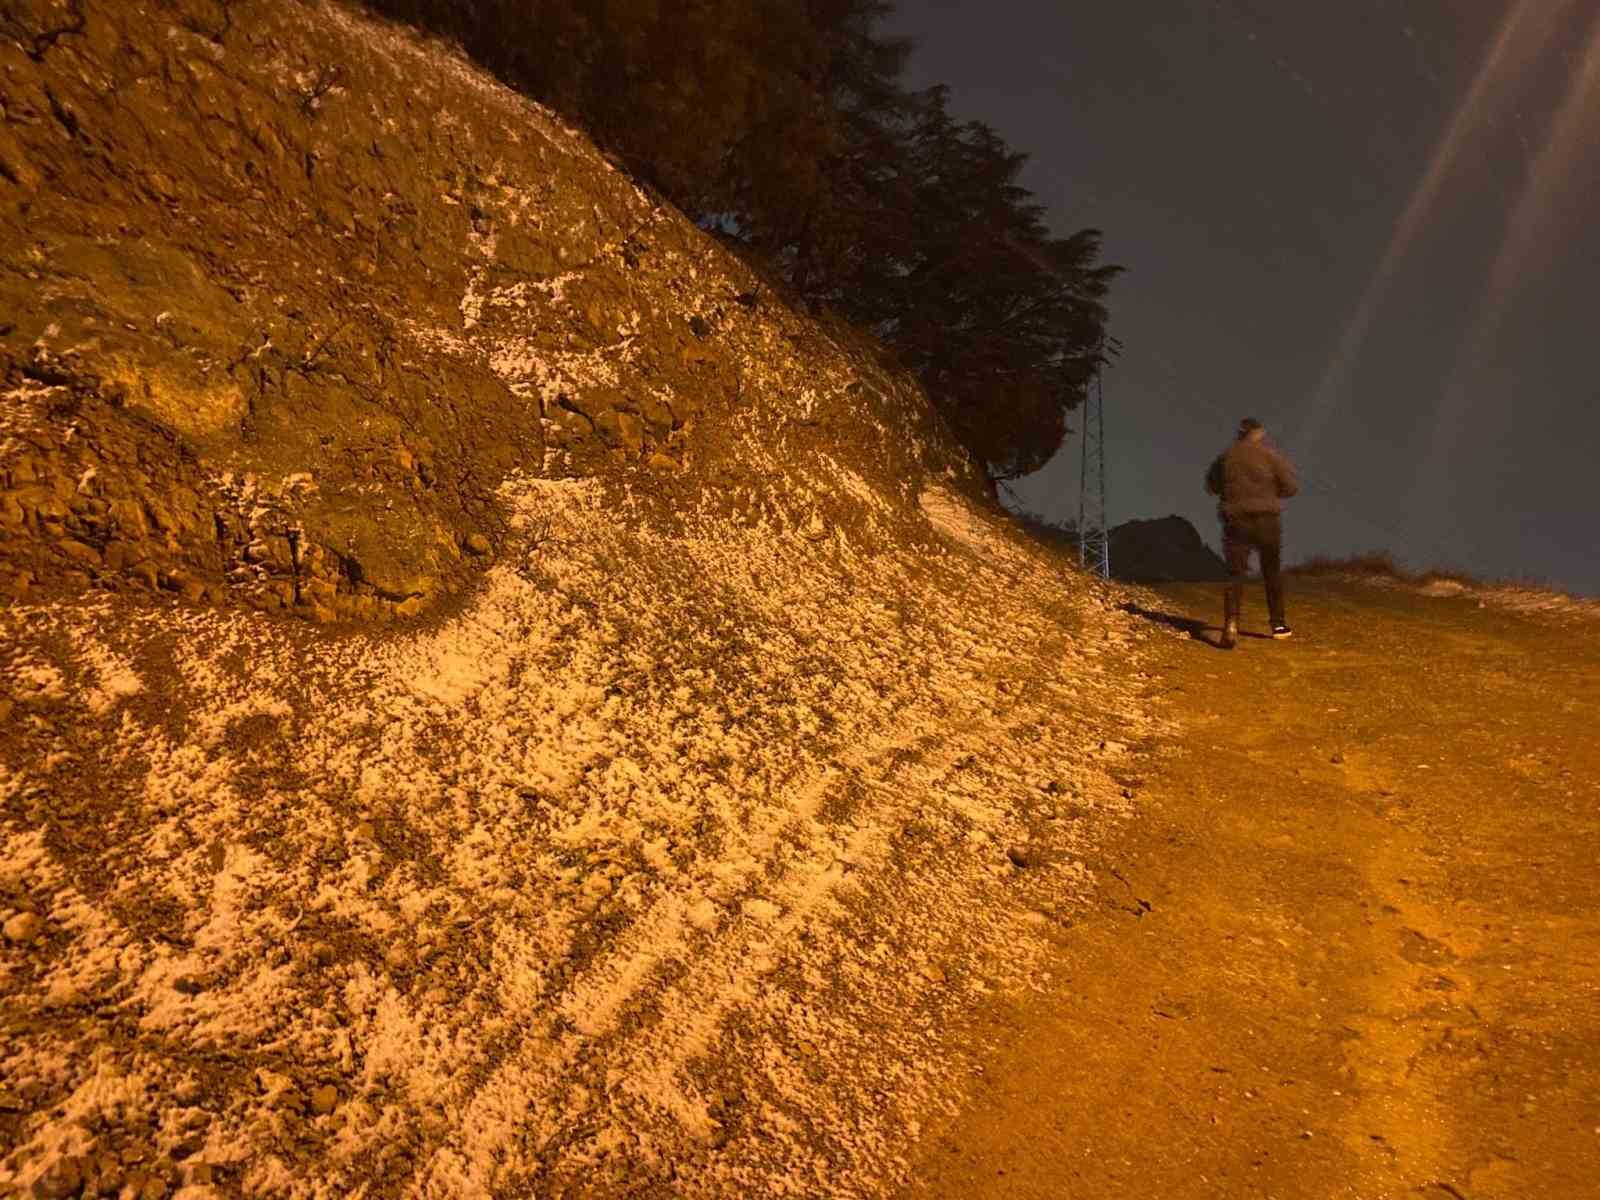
(1351, 945)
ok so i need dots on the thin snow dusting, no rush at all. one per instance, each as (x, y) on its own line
(664, 866)
(670, 864)
(1526, 599)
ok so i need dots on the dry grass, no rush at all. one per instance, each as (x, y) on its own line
(1526, 595)
(1381, 564)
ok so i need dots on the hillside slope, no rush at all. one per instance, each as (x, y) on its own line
(290, 295)
(717, 751)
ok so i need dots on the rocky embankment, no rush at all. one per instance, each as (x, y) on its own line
(750, 753)
(284, 303)
(1164, 550)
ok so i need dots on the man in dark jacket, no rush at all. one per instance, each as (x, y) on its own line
(1252, 479)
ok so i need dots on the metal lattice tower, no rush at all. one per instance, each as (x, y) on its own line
(1094, 540)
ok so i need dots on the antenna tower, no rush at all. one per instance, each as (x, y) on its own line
(1094, 540)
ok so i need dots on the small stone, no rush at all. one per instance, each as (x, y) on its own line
(1019, 857)
(107, 1174)
(61, 1179)
(1337, 760)
(79, 552)
(477, 544)
(324, 1099)
(24, 929)
(202, 1173)
(622, 429)
(189, 987)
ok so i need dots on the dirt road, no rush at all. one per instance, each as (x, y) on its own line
(1351, 947)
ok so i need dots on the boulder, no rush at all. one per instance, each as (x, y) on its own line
(1165, 550)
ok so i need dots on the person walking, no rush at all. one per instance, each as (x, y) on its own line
(1251, 479)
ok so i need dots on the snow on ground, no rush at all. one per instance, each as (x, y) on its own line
(672, 863)
(1529, 599)
(666, 865)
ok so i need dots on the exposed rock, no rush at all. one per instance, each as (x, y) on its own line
(1167, 550)
(23, 929)
(621, 429)
(201, 1174)
(284, 354)
(61, 1179)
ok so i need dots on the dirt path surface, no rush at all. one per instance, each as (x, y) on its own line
(1351, 945)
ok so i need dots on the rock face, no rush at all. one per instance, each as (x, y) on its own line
(1166, 550)
(285, 295)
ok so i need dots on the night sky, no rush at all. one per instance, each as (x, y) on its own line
(1375, 225)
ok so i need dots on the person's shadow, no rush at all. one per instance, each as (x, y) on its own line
(1197, 629)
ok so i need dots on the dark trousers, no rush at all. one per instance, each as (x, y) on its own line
(1263, 533)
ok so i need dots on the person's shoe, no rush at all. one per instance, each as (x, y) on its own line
(1230, 635)
(1280, 632)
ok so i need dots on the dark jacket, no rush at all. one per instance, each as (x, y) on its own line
(1250, 478)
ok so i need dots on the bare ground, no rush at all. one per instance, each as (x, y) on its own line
(1350, 947)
